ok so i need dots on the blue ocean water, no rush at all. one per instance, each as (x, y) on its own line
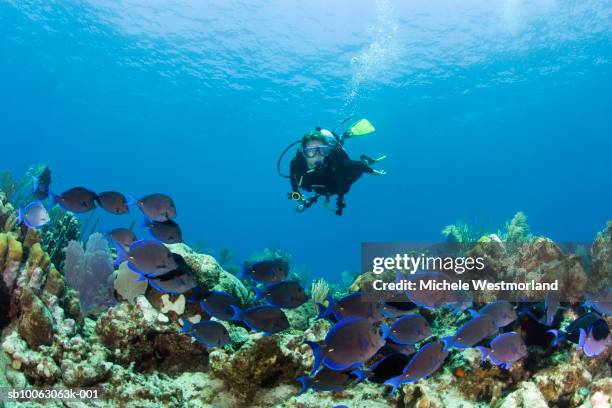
(484, 108)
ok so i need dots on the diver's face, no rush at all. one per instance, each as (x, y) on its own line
(315, 153)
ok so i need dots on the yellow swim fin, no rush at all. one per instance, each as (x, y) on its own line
(360, 128)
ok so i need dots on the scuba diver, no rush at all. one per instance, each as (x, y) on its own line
(322, 165)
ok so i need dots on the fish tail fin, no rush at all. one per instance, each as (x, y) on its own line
(329, 310)
(360, 374)
(258, 292)
(305, 381)
(121, 255)
(187, 326)
(52, 199)
(587, 300)
(237, 313)
(386, 330)
(131, 201)
(559, 337)
(317, 353)
(394, 382)
(473, 312)
(244, 272)
(485, 352)
(324, 312)
(140, 277)
(582, 338)
(19, 216)
(448, 342)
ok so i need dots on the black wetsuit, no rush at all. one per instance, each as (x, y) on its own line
(334, 177)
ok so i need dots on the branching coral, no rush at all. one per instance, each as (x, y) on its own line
(319, 291)
(517, 230)
(63, 228)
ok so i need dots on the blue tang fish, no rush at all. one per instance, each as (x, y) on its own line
(383, 370)
(601, 302)
(348, 344)
(123, 237)
(327, 380)
(589, 331)
(34, 215)
(113, 202)
(472, 332)
(409, 329)
(147, 257)
(77, 200)
(157, 207)
(174, 285)
(353, 305)
(285, 294)
(208, 333)
(501, 311)
(423, 364)
(505, 349)
(267, 271)
(219, 304)
(267, 319)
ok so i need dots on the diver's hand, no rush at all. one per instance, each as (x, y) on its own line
(376, 172)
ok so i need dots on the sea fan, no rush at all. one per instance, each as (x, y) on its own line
(88, 271)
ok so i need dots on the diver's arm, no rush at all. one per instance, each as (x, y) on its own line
(356, 165)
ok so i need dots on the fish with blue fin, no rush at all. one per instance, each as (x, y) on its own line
(348, 344)
(157, 207)
(353, 305)
(504, 350)
(113, 202)
(409, 329)
(123, 237)
(208, 333)
(78, 200)
(267, 271)
(384, 369)
(326, 380)
(34, 215)
(40, 184)
(266, 318)
(600, 302)
(472, 332)
(219, 304)
(424, 363)
(167, 231)
(501, 311)
(147, 257)
(285, 294)
(589, 332)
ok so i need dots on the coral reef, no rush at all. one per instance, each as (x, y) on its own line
(63, 228)
(601, 255)
(135, 353)
(210, 275)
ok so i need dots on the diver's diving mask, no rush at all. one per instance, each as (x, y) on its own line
(312, 151)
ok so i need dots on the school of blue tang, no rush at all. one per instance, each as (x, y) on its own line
(399, 338)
